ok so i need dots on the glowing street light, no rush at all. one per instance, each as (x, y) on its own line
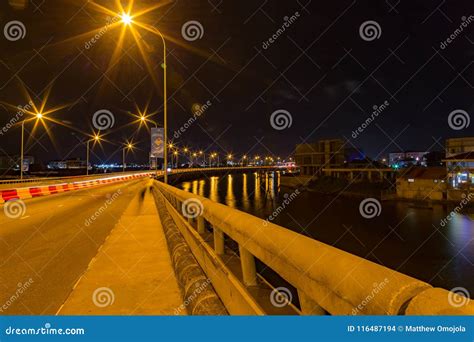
(130, 21)
(126, 19)
(38, 116)
(176, 156)
(128, 146)
(96, 138)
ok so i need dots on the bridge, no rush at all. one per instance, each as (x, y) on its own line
(129, 244)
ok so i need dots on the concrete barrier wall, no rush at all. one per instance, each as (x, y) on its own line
(198, 293)
(327, 278)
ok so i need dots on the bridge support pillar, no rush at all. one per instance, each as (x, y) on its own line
(218, 241)
(308, 306)
(201, 225)
(249, 271)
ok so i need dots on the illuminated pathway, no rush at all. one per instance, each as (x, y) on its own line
(52, 244)
(132, 269)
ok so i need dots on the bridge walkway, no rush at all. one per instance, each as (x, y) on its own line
(132, 273)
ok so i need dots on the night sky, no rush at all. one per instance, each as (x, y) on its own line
(320, 70)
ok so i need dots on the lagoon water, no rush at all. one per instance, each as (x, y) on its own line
(404, 237)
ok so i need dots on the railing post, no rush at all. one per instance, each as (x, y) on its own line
(201, 225)
(308, 306)
(218, 241)
(249, 272)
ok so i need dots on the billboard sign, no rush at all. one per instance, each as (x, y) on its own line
(157, 146)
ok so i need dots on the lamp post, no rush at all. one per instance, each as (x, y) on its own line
(127, 19)
(175, 153)
(39, 116)
(214, 155)
(95, 139)
(128, 146)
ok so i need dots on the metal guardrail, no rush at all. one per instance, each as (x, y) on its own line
(328, 280)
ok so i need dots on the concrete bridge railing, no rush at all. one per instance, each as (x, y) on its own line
(328, 280)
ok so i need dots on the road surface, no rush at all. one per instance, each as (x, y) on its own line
(45, 251)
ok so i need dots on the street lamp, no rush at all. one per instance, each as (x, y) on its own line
(128, 146)
(127, 20)
(38, 116)
(95, 139)
(175, 153)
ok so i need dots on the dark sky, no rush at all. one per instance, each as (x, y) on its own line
(319, 70)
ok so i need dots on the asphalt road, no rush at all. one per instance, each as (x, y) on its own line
(44, 251)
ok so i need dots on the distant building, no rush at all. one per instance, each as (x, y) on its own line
(333, 153)
(460, 168)
(457, 146)
(69, 164)
(407, 159)
(423, 183)
(460, 162)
